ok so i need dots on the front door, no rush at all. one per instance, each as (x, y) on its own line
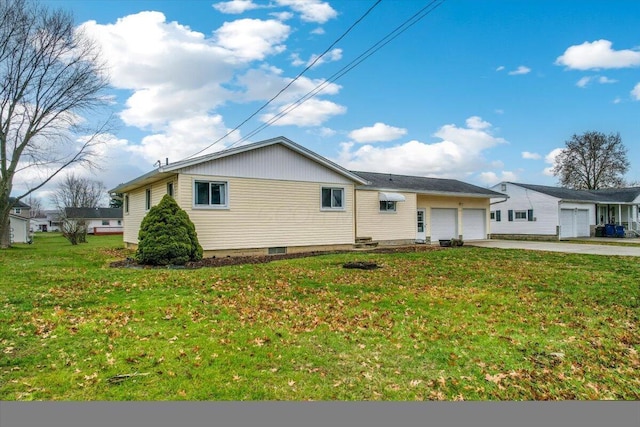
(421, 234)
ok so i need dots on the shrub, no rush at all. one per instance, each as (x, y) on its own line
(167, 236)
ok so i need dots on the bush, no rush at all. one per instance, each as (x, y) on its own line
(167, 236)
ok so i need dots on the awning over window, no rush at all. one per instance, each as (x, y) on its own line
(391, 197)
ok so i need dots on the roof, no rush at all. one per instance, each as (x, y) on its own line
(424, 185)
(608, 195)
(18, 204)
(169, 169)
(93, 213)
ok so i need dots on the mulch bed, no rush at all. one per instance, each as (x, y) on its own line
(262, 259)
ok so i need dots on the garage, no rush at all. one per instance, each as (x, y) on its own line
(574, 223)
(474, 224)
(444, 224)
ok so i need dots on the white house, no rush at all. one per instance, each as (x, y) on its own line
(19, 227)
(97, 220)
(544, 212)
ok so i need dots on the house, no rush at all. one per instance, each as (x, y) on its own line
(276, 196)
(544, 212)
(405, 209)
(19, 226)
(97, 220)
(48, 221)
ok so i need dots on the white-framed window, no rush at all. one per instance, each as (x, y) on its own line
(105, 222)
(332, 198)
(170, 188)
(126, 203)
(503, 187)
(520, 215)
(387, 206)
(17, 210)
(495, 215)
(210, 194)
(147, 199)
(119, 222)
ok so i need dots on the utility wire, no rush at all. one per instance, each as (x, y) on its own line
(291, 82)
(429, 8)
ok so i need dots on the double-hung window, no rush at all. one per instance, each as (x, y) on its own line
(210, 194)
(332, 198)
(521, 215)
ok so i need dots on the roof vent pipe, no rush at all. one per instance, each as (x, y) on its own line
(166, 161)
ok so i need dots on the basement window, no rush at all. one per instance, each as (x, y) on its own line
(281, 250)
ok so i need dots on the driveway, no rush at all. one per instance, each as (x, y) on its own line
(565, 246)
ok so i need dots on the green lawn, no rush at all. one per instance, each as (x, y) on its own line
(461, 323)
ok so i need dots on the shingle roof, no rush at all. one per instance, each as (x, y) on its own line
(18, 204)
(94, 213)
(420, 184)
(611, 195)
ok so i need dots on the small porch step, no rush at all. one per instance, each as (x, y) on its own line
(365, 243)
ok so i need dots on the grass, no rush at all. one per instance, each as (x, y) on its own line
(456, 324)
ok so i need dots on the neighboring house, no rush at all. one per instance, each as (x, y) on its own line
(97, 220)
(19, 227)
(545, 212)
(50, 221)
(276, 196)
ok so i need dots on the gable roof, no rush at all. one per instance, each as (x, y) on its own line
(18, 204)
(171, 168)
(608, 195)
(423, 185)
(93, 213)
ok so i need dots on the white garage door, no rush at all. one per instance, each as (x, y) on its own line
(473, 224)
(444, 224)
(582, 223)
(567, 223)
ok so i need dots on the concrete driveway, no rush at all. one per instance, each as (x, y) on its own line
(565, 246)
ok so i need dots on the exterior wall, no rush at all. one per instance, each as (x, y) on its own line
(391, 227)
(268, 213)
(131, 220)
(451, 202)
(19, 229)
(545, 211)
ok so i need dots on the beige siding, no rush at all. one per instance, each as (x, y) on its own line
(459, 203)
(132, 220)
(268, 213)
(385, 226)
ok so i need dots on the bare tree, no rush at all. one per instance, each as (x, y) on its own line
(591, 161)
(36, 206)
(50, 77)
(78, 192)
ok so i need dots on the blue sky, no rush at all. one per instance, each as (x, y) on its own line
(480, 91)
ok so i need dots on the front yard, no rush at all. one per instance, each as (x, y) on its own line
(455, 324)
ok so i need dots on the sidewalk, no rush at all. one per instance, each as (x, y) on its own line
(565, 246)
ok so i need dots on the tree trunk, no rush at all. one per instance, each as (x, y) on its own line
(5, 229)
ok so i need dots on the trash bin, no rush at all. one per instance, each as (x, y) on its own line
(619, 230)
(599, 231)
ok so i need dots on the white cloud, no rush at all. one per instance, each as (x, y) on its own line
(235, 6)
(318, 31)
(500, 68)
(492, 178)
(583, 82)
(520, 70)
(458, 153)
(617, 100)
(550, 159)
(313, 112)
(531, 156)
(635, 93)
(311, 10)
(331, 56)
(282, 16)
(252, 39)
(606, 80)
(598, 54)
(379, 132)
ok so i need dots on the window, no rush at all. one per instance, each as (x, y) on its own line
(212, 194)
(520, 215)
(277, 251)
(170, 188)
(498, 219)
(503, 187)
(17, 211)
(147, 199)
(493, 215)
(126, 203)
(105, 222)
(387, 206)
(119, 222)
(332, 198)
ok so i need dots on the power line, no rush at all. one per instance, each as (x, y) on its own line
(429, 8)
(308, 67)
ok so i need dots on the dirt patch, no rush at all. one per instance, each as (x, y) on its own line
(262, 259)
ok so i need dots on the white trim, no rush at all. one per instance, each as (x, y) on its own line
(391, 197)
(224, 206)
(332, 209)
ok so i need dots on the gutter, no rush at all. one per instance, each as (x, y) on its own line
(499, 201)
